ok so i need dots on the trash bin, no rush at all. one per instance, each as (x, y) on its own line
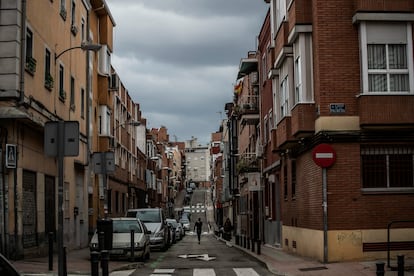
(105, 226)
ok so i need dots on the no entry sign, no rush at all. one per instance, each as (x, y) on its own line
(324, 155)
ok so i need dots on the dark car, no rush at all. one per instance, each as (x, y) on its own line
(6, 268)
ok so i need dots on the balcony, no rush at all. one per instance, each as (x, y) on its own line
(248, 110)
(384, 6)
(30, 65)
(386, 111)
(300, 13)
(284, 133)
(247, 163)
(303, 120)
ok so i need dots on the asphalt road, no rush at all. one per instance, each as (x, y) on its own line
(211, 257)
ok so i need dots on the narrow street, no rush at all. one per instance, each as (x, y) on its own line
(210, 257)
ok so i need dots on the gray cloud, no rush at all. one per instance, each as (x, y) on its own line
(179, 58)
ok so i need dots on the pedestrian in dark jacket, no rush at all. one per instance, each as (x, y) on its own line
(197, 226)
(227, 229)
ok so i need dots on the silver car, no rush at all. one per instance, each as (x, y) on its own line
(121, 239)
(177, 227)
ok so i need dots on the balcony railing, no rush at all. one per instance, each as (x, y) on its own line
(248, 162)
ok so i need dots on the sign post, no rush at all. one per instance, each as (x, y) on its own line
(324, 156)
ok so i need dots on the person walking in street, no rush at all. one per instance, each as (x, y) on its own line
(197, 226)
(227, 229)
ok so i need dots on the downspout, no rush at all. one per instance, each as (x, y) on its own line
(88, 112)
(22, 52)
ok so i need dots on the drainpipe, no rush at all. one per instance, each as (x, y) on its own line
(22, 52)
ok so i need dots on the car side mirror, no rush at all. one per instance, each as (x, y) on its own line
(149, 232)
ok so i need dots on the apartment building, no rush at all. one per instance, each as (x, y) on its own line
(53, 54)
(342, 76)
(197, 163)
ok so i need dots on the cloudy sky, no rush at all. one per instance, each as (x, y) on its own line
(179, 58)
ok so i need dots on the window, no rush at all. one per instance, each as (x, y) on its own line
(298, 81)
(29, 44)
(82, 103)
(284, 98)
(48, 76)
(72, 92)
(266, 130)
(270, 125)
(387, 167)
(83, 31)
(387, 68)
(386, 51)
(63, 12)
(62, 93)
(293, 178)
(285, 181)
(73, 14)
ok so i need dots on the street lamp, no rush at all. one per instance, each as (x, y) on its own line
(83, 46)
(61, 270)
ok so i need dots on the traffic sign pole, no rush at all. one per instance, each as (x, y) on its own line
(324, 156)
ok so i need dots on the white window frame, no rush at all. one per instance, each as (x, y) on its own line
(364, 63)
(284, 98)
(298, 80)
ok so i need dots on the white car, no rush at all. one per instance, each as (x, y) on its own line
(121, 239)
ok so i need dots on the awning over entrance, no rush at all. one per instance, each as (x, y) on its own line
(247, 65)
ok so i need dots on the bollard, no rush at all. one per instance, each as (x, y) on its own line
(105, 262)
(258, 247)
(65, 267)
(248, 243)
(237, 239)
(244, 241)
(50, 235)
(380, 268)
(132, 245)
(400, 262)
(252, 245)
(94, 263)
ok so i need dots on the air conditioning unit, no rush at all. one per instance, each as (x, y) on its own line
(114, 82)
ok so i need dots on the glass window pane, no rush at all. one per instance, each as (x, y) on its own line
(374, 171)
(376, 56)
(399, 82)
(397, 55)
(401, 170)
(377, 82)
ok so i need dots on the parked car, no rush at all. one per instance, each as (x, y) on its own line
(173, 235)
(154, 220)
(6, 268)
(185, 222)
(121, 239)
(177, 228)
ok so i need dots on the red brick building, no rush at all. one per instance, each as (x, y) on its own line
(341, 73)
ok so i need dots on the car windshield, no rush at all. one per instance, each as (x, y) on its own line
(125, 226)
(149, 215)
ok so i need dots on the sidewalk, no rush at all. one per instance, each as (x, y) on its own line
(281, 263)
(78, 263)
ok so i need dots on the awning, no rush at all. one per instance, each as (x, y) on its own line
(247, 65)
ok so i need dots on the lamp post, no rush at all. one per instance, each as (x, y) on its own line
(61, 270)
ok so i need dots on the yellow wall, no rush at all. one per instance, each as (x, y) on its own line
(343, 245)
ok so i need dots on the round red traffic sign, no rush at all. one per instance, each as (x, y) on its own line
(324, 155)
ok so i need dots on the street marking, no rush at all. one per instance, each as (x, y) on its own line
(203, 272)
(122, 273)
(164, 270)
(245, 272)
